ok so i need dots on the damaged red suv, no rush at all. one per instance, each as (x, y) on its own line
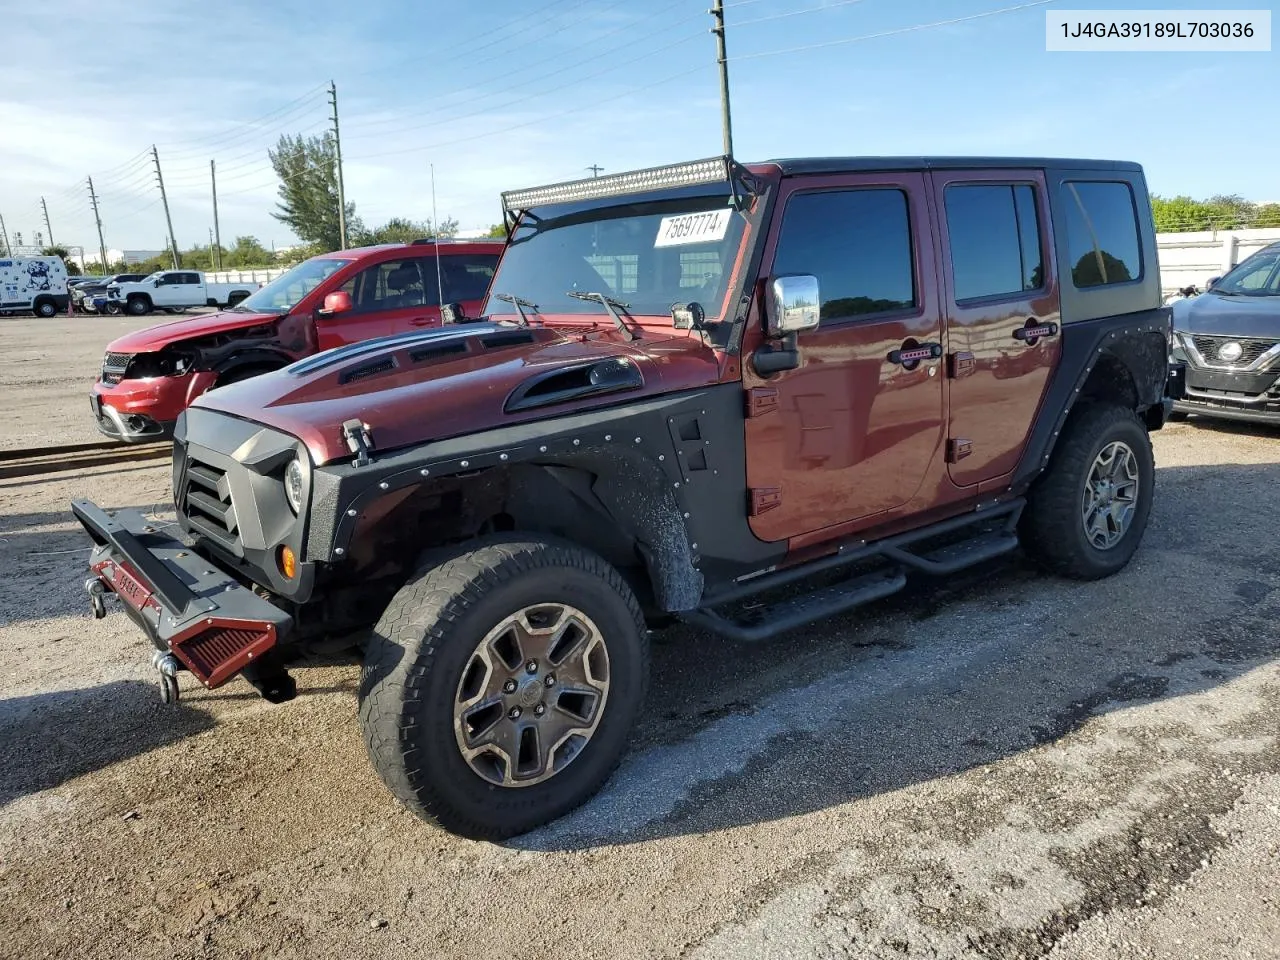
(152, 375)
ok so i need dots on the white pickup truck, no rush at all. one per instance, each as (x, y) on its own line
(176, 290)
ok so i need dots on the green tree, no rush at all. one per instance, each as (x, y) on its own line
(307, 168)
(64, 255)
(1268, 215)
(403, 230)
(248, 252)
(497, 232)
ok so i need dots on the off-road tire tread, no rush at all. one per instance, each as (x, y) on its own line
(416, 624)
(1049, 523)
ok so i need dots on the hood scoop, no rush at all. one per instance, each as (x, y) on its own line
(613, 375)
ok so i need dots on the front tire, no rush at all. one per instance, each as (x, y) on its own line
(46, 309)
(500, 685)
(1086, 516)
(138, 306)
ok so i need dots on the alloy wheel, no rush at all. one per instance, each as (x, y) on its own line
(1110, 495)
(531, 695)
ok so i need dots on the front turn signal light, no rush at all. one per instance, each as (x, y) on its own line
(288, 562)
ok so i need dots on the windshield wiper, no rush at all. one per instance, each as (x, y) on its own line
(520, 303)
(611, 306)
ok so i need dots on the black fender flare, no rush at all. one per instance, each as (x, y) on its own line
(654, 483)
(1139, 341)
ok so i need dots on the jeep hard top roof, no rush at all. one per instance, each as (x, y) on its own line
(740, 176)
(859, 164)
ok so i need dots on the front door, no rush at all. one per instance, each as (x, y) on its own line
(395, 296)
(852, 431)
(1003, 319)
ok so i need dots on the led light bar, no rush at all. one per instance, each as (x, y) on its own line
(711, 170)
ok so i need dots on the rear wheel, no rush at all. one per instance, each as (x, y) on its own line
(500, 685)
(1086, 516)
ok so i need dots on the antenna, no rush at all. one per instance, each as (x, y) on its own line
(435, 237)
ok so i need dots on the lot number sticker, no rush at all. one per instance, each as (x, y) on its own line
(693, 228)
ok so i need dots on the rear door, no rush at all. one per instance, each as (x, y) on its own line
(390, 297)
(466, 278)
(852, 432)
(1003, 317)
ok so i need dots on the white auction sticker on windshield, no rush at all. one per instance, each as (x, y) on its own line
(693, 228)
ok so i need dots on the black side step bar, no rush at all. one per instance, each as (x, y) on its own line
(843, 596)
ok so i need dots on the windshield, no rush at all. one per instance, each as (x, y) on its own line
(646, 255)
(285, 292)
(1259, 276)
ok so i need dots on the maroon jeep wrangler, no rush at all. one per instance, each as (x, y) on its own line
(690, 385)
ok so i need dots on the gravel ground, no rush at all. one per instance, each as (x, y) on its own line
(48, 368)
(1008, 766)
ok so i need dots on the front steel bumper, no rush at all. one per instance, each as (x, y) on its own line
(184, 604)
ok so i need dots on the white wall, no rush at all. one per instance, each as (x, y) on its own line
(1192, 258)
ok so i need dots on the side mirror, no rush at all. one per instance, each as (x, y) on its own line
(337, 302)
(793, 305)
(452, 313)
(1213, 282)
(157, 281)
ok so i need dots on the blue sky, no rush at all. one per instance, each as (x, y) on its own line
(504, 94)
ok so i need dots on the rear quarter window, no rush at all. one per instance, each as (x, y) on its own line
(1103, 248)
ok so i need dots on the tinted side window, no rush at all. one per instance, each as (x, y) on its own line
(1102, 233)
(995, 240)
(857, 243)
(191, 278)
(393, 285)
(467, 275)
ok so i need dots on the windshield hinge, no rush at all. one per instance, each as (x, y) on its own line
(359, 441)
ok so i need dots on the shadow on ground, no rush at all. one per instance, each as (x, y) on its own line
(50, 738)
(945, 677)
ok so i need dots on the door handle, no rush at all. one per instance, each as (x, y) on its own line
(1033, 330)
(910, 357)
(421, 321)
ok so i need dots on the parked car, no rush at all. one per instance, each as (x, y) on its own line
(694, 385)
(176, 290)
(1229, 337)
(33, 285)
(150, 376)
(85, 294)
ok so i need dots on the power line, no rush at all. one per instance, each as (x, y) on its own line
(529, 123)
(578, 78)
(524, 79)
(469, 45)
(893, 33)
(214, 138)
(794, 13)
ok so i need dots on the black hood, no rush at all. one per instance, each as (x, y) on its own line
(1215, 314)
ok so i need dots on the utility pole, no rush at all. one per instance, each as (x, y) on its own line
(5, 234)
(173, 242)
(717, 11)
(47, 225)
(216, 244)
(337, 147)
(595, 170)
(102, 247)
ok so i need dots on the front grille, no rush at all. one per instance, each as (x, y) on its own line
(115, 366)
(206, 503)
(1253, 349)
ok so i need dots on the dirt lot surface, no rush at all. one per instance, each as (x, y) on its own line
(48, 368)
(1012, 766)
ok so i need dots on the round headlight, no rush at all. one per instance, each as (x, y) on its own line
(293, 485)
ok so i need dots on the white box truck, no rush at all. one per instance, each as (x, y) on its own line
(33, 285)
